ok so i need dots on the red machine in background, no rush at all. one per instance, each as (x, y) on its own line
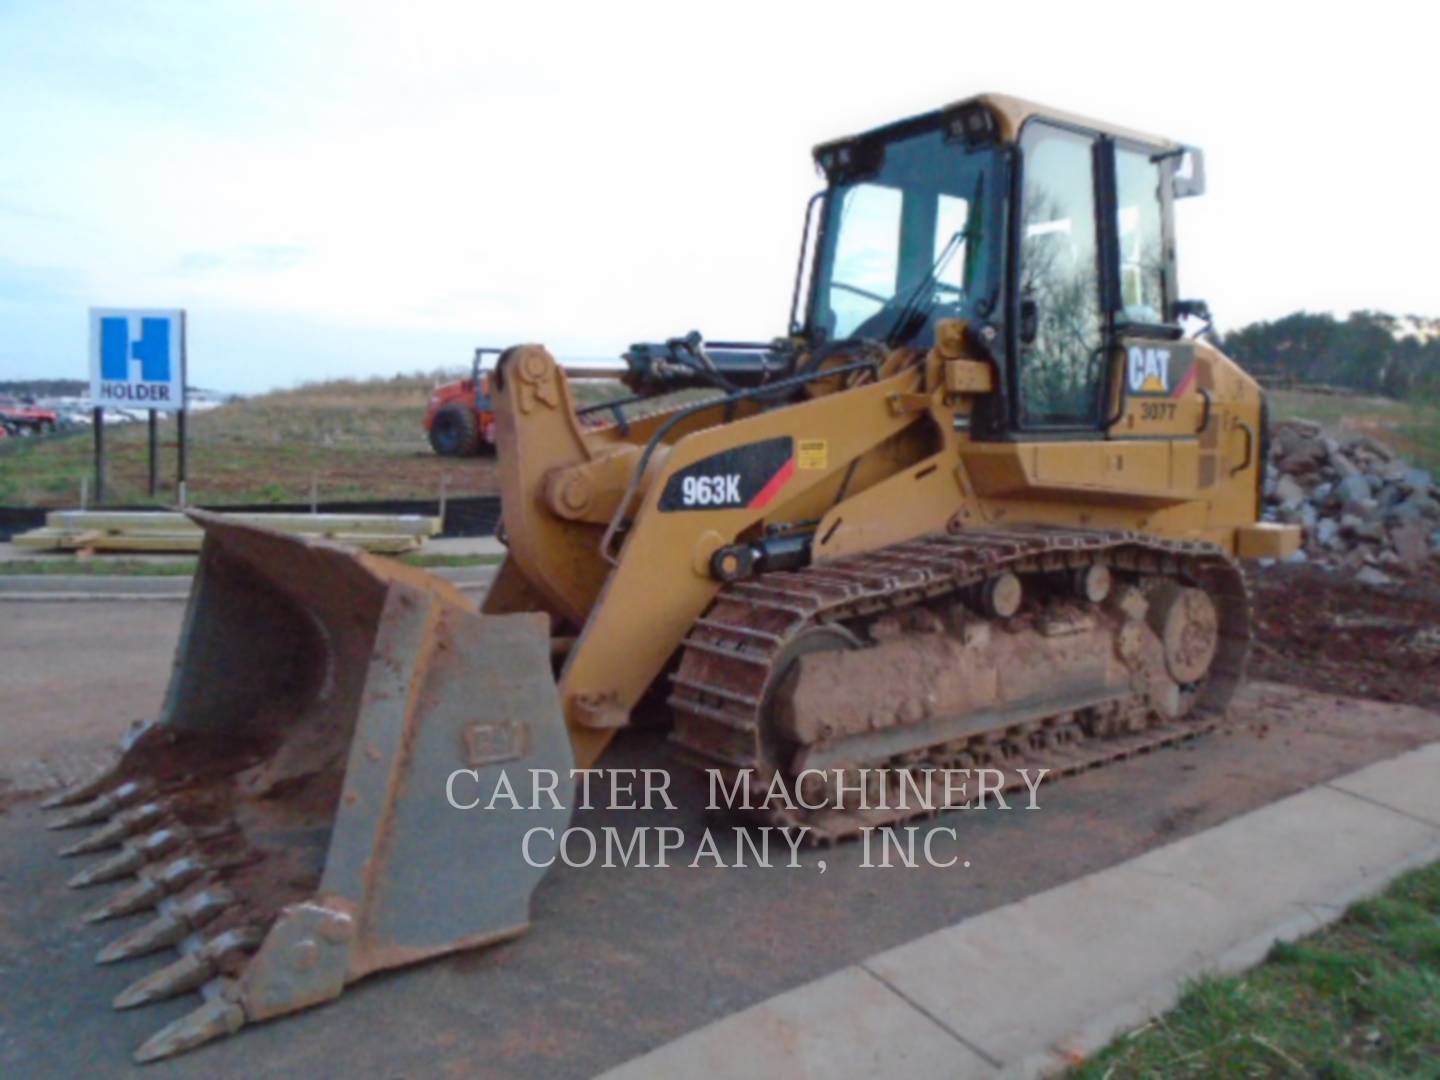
(460, 419)
(22, 417)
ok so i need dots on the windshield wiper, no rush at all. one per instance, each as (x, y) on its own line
(924, 287)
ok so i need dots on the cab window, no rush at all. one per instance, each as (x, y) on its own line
(949, 255)
(867, 255)
(904, 243)
(1061, 354)
(892, 242)
(1140, 236)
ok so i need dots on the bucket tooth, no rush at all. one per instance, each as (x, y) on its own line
(159, 932)
(85, 789)
(133, 855)
(85, 814)
(122, 864)
(177, 919)
(318, 697)
(113, 833)
(192, 971)
(187, 973)
(215, 1019)
(153, 885)
(100, 808)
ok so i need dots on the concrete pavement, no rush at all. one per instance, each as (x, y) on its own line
(619, 960)
(1026, 989)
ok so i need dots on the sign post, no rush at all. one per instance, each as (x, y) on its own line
(98, 426)
(151, 421)
(137, 360)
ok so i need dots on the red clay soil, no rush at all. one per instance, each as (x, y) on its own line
(1323, 630)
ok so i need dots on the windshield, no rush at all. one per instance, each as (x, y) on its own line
(909, 244)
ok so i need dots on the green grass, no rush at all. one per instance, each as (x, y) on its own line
(111, 567)
(350, 438)
(1359, 999)
(452, 560)
(1412, 428)
(34, 470)
(98, 567)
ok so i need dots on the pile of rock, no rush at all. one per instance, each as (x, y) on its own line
(1363, 509)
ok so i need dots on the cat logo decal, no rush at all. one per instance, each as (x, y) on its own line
(1149, 370)
(1160, 370)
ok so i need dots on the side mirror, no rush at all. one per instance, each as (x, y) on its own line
(1029, 321)
(1188, 178)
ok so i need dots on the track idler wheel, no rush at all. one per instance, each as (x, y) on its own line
(1188, 626)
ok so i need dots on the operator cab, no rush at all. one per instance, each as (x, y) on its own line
(1051, 234)
(480, 370)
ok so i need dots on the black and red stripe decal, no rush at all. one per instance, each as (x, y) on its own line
(747, 476)
(771, 489)
(1187, 383)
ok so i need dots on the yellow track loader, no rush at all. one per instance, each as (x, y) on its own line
(982, 505)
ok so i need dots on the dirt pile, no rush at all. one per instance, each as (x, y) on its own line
(1363, 509)
(1321, 630)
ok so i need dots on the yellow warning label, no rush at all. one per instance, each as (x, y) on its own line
(813, 454)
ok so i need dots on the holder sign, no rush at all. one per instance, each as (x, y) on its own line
(137, 358)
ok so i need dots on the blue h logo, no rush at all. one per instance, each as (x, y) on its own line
(152, 350)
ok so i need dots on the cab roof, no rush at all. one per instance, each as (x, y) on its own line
(1010, 114)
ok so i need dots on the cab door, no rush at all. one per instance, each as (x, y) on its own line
(1157, 369)
(1095, 349)
(1060, 340)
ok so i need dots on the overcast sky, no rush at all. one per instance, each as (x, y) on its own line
(341, 188)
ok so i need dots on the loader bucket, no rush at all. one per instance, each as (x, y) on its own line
(284, 822)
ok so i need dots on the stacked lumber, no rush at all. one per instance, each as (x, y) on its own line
(158, 531)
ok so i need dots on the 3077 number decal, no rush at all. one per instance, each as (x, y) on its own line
(1157, 410)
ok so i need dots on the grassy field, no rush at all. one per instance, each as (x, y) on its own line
(1411, 428)
(1359, 999)
(351, 438)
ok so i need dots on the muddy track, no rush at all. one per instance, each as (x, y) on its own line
(735, 663)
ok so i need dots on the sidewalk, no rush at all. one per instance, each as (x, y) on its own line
(1025, 989)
